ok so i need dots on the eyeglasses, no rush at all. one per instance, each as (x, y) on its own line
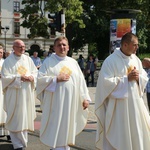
(20, 46)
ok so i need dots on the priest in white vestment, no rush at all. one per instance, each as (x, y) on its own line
(123, 121)
(64, 97)
(3, 131)
(18, 80)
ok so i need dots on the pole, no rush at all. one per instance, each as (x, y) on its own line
(5, 29)
(63, 30)
(5, 39)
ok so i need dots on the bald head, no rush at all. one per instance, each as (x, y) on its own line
(17, 42)
(19, 47)
(146, 63)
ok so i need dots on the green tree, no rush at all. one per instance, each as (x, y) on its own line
(37, 22)
(88, 21)
(98, 24)
(33, 20)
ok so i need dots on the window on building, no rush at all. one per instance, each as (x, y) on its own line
(16, 27)
(16, 6)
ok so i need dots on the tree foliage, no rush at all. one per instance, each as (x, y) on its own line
(88, 21)
(37, 22)
(99, 22)
(33, 20)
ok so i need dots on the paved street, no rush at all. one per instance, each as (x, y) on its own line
(84, 141)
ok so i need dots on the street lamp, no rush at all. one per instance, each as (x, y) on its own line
(5, 29)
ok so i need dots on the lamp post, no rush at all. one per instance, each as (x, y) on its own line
(5, 29)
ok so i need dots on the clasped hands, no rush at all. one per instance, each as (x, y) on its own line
(63, 77)
(133, 75)
(27, 78)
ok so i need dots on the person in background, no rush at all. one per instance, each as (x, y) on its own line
(81, 62)
(3, 131)
(7, 53)
(18, 76)
(96, 60)
(45, 55)
(146, 66)
(36, 60)
(26, 53)
(90, 69)
(123, 121)
(64, 97)
(50, 51)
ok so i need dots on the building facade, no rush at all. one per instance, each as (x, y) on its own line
(10, 20)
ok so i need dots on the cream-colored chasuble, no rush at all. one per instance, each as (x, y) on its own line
(19, 96)
(3, 116)
(123, 120)
(65, 70)
(2, 112)
(21, 70)
(63, 116)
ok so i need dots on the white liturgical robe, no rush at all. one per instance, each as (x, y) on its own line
(63, 116)
(19, 97)
(3, 115)
(123, 122)
(2, 112)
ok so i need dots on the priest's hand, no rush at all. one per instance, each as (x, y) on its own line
(27, 78)
(24, 78)
(63, 77)
(85, 104)
(30, 79)
(133, 75)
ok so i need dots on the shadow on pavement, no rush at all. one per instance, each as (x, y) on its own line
(5, 145)
(77, 148)
(89, 130)
(35, 134)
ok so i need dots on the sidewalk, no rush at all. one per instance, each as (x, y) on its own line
(84, 141)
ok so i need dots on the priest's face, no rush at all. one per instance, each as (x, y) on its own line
(61, 48)
(130, 48)
(19, 47)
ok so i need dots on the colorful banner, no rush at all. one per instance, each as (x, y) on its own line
(118, 27)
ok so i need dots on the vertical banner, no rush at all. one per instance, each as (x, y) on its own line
(118, 27)
(123, 26)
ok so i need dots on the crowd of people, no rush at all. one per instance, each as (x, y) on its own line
(60, 83)
(63, 115)
(88, 67)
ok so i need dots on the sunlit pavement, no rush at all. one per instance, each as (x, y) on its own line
(84, 141)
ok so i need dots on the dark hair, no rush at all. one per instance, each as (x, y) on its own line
(91, 55)
(80, 56)
(127, 38)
